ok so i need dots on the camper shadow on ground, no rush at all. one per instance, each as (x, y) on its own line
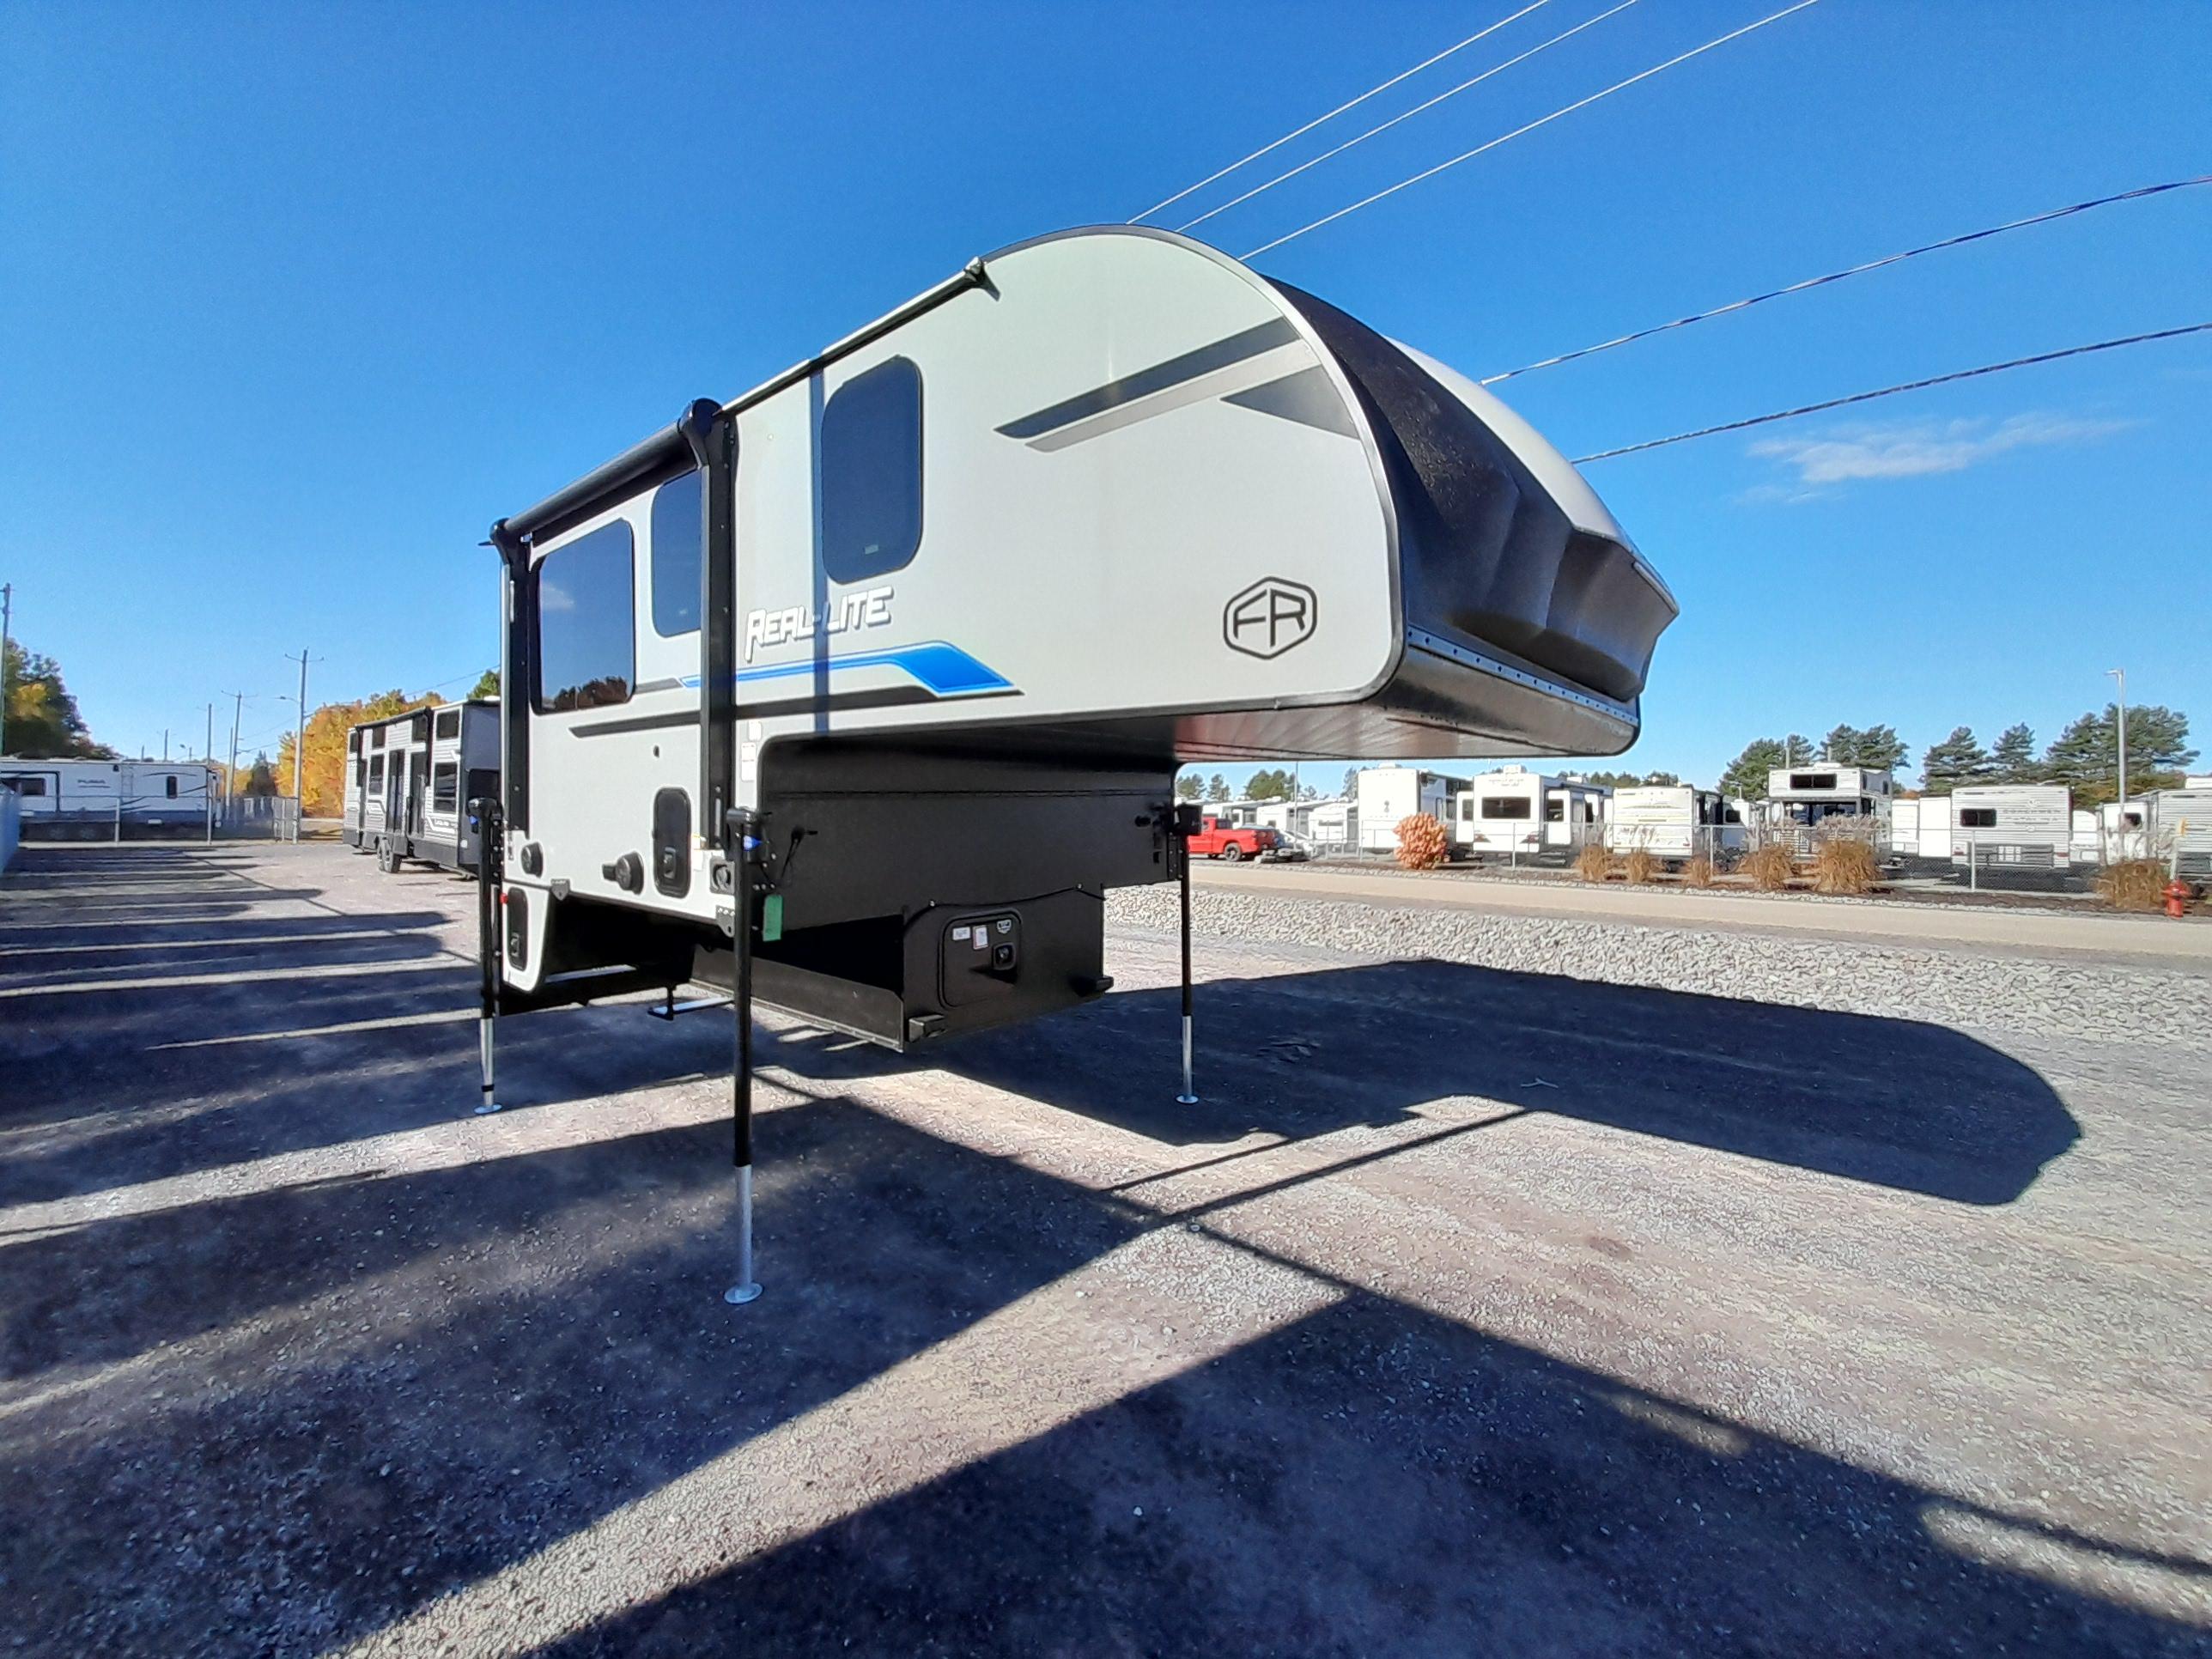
(1896, 1103)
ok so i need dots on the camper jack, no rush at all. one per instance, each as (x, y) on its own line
(856, 696)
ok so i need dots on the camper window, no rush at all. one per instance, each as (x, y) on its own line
(871, 473)
(376, 772)
(171, 781)
(1977, 817)
(586, 620)
(26, 786)
(445, 786)
(1555, 810)
(676, 533)
(1812, 780)
(449, 722)
(1505, 807)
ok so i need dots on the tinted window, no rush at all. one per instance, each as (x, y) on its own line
(449, 722)
(1505, 807)
(871, 473)
(376, 772)
(678, 537)
(1555, 810)
(172, 782)
(587, 648)
(445, 786)
(1812, 780)
(26, 786)
(1977, 817)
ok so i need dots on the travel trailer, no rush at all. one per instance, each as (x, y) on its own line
(1310, 824)
(1920, 830)
(1388, 795)
(2123, 830)
(1516, 813)
(857, 693)
(109, 799)
(1673, 821)
(2016, 825)
(408, 779)
(2180, 826)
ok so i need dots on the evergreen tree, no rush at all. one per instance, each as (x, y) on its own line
(1746, 773)
(1217, 787)
(2085, 756)
(1187, 788)
(1794, 750)
(487, 685)
(1841, 746)
(1351, 782)
(2012, 757)
(1959, 758)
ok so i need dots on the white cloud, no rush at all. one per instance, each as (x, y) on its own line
(1910, 450)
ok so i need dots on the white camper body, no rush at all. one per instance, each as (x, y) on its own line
(409, 780)
(908, 642)
(1388, 795)
(1920, 829)
(2180, 827)
(2123, 830)
(1313, 822)
(1520, 813)
(1806, 798)
(2021, 825)
(1673, 821)
(101, 799)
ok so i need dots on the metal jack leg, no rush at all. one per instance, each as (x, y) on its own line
(743, 841)
(1186, 820)
(490, 839)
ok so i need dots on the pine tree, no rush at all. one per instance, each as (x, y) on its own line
(1841, 746)
(2085, 756)
(1187, 788)
(1217, 787)
(487, 685)
(2012, 757)
(1959, 758)
(1746, 773)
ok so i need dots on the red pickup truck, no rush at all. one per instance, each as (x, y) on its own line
(1217, 840)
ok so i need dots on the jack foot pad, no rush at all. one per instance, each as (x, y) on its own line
(737, 1295)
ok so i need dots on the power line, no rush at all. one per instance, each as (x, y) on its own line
(1854, 271)
(1545, 120)
(1891, 390)
(1320, 120)
(1450, 93)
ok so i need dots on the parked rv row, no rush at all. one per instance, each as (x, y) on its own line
(409, 780)
(109, 799)
(1514, 814)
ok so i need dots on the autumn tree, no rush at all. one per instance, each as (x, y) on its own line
(43, 722)
(323, 778)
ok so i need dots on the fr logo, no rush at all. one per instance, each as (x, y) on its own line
(1269, 617)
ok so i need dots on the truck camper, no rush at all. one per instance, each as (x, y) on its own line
(856, 694)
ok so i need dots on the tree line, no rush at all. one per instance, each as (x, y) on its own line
(42, 718)
(2085, 756)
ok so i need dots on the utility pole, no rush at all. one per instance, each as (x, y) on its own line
(299, 749)
(165, 743)
(2121, 675)
(7, 614)
(207, 783)
(237, 708)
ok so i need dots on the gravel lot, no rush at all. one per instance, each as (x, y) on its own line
(1527, 1285)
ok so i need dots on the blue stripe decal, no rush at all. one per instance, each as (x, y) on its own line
(939, 667)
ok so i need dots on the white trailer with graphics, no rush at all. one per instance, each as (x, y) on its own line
(856, 695)
(408, 779)
(1386, 796)
(1673, 822)
(73, 799)
(1513, 813)
(2012, 826)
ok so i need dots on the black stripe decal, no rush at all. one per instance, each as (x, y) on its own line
(1159, 377)
(893, 697)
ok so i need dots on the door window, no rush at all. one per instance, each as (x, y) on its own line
(586, 621)
(677, 551)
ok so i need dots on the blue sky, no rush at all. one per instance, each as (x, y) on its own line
(297, 300)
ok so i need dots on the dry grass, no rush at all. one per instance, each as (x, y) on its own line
(1769, 867)
(1697, 872)
(1639, 866)
(1421, 842)
(1594, 862)
(2133, 885)
(1844, 865)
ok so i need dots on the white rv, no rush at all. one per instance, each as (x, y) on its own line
(1388, 795)
(1516, 813)
(2123, 830)
(2180, 826)
(1310, 823)
(1920, 829)
(1805, 799)
(107, 799)
(409, 780)
(1673, 821)
(857, 693)
(2016, 825)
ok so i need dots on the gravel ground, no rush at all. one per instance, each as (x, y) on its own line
(1540, 1288)
(1994, 992)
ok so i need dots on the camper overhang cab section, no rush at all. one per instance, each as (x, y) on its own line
(946, 606)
